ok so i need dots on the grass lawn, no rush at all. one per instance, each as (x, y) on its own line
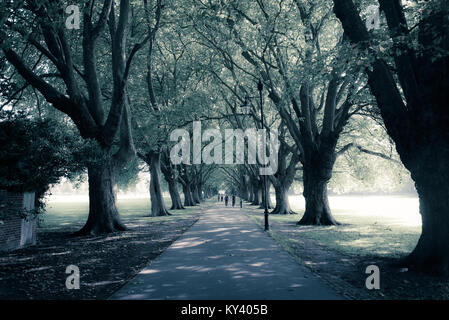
(106, 262)
(73, 214)
(373, 225)
(374, 230)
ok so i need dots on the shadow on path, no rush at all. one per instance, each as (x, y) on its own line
(225, 255)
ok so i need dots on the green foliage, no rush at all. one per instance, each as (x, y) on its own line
(359, 172)
(34, 153)
(196, 62)
(129, 176)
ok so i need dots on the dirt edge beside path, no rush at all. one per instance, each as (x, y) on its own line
(106, 263)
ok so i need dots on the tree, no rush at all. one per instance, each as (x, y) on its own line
(284, 176)
(320, 109)
(158, 208)
(414, 109)
(171, 175)
(151, 153)
(174, 84)
(79, 93)
(313, 86)
(129, 175)
(186, 182)
(35, 154)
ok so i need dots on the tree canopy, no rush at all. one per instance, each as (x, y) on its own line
(350, 100)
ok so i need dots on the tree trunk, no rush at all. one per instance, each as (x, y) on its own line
(246, 194)
(282, 202)
(171, 176)
(176, 203)
(103, 214)
(267, 192)
(432, 251)
(201, 195)
(158, 207)
(252, 196)
(316, 175)
(419, 127)
(188, 198)
(195, 194)
(86, 109)
(257, 196)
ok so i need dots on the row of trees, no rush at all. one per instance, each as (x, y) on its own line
(319, 75)
(92, 76)
(135, 71)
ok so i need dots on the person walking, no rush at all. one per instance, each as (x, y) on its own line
(226, 200)
(241, 203)
(233, 200)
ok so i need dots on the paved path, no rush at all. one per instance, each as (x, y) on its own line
(225, 255)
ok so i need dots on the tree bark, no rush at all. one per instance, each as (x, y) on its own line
(317, 204)
(81, 97)
(257, 196)
(431, 254)
(282, 202)
(103, 214)
(195, 194)
(252, 195)
(266, 192)
(246, 195)
(171, 176)
(176, 203)
(200, 192)
(188, 198)
(419, 126)
(158, 207)
(316, 174)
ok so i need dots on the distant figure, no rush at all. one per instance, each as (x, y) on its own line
(226, 200)
(233, 200)
(219, 197)
(241, 203)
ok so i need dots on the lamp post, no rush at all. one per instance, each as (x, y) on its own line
(245, 110)
(265, 193)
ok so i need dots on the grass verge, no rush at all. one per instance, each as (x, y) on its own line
(106, 262)
(340, 254)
